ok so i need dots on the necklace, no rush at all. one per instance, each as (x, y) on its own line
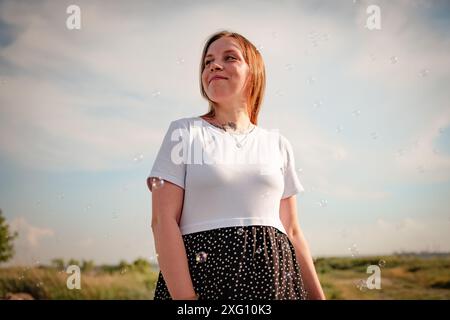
(232, 125)
(239, 143)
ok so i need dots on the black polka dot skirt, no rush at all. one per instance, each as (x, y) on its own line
(250, 262)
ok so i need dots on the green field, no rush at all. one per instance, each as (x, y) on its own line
(402, 277)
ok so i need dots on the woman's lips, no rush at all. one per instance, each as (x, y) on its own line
(218, 79)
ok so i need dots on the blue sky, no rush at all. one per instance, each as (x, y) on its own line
(83, 113)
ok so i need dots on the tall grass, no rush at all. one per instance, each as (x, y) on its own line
(402, 277)
(49, 283)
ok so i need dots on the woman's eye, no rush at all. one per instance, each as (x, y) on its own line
(207, 62)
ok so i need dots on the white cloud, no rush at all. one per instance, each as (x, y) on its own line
(404, 35)
(383, 236)
(31, 234)
(423, 156)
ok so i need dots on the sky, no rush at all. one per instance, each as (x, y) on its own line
(83, 113)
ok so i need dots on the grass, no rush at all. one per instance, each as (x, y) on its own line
(402, 277)
(49, 283)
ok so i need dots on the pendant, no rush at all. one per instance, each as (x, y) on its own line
(238, 145)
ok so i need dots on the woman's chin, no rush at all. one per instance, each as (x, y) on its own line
(219, 99)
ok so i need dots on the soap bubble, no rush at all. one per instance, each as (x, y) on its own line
(201, 257)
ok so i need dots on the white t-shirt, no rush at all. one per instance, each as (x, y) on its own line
(225, 185)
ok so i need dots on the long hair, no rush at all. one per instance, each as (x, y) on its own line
(257, 74)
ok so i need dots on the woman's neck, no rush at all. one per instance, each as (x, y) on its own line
(234, 121)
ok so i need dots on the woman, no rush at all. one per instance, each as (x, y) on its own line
(226, 228)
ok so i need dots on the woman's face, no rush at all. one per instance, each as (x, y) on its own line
(224, 58)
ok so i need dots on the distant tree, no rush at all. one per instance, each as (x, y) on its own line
(58, 263)
(123, 264)
(6, 240)
(73, 261)
(87, 265)
(141, 265)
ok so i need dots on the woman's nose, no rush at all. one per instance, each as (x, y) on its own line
(215, 66)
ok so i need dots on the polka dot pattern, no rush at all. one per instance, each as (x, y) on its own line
(248, 262)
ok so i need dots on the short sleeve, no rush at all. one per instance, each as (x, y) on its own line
(169, 164)
(292, 184)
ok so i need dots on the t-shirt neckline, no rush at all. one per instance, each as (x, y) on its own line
(250, 131)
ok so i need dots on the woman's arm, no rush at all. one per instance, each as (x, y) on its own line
(288, 216)
(167, 205)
